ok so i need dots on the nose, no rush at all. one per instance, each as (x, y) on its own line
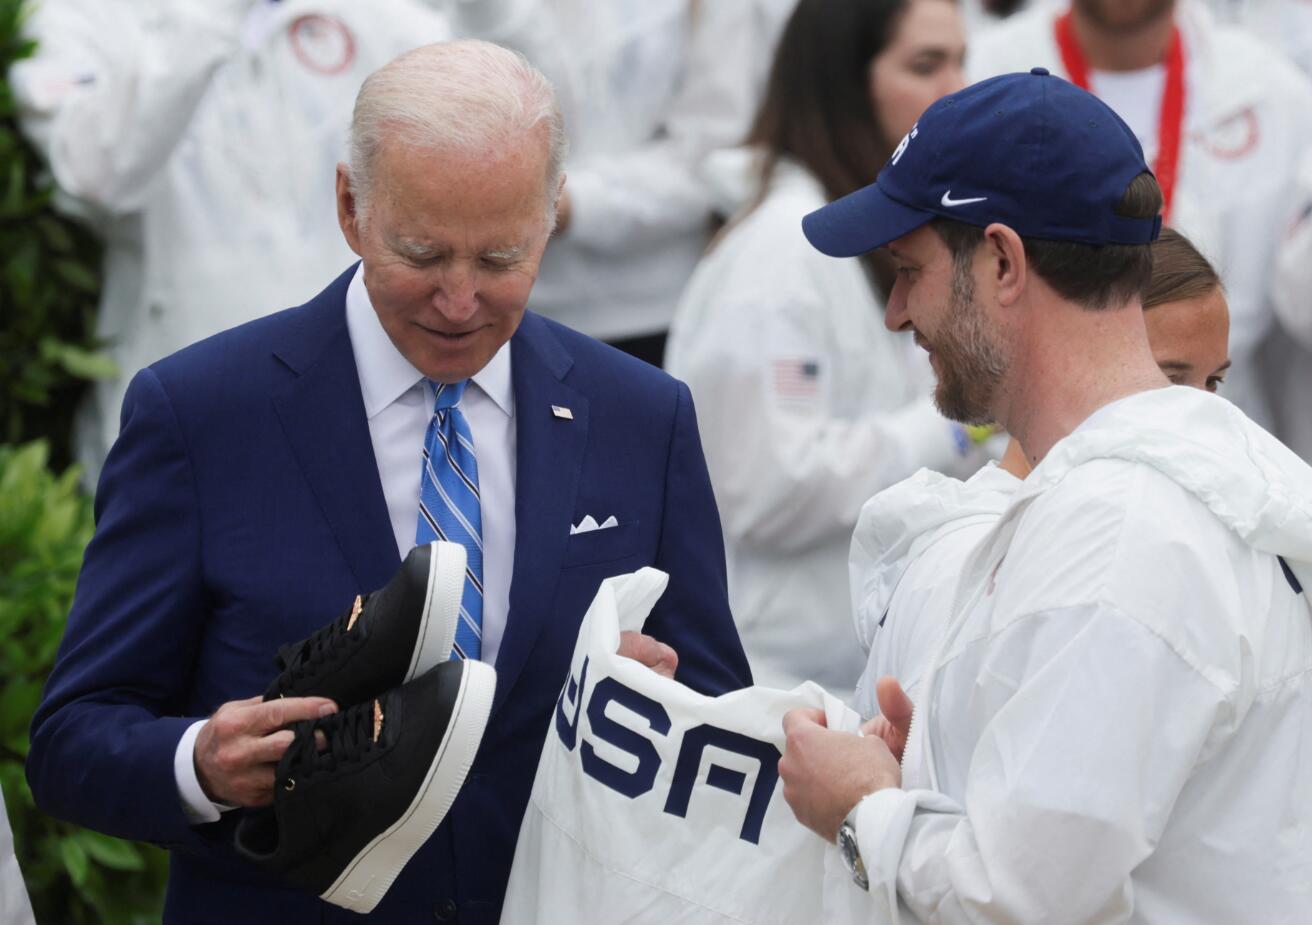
(896, 316)
(456, 296)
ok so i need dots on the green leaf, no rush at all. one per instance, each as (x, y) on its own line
(75, 859)
(111, 852)
(77, 275)
(85, 364)
(20, 702)
(56, 234)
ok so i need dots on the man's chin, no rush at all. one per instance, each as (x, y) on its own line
(955, 406)
(451, 366)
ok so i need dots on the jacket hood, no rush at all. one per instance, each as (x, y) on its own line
(897, 524)
(1249, 480)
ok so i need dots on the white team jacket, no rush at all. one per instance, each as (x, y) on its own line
(201, 138)
(1248, 123)
(808, 406)
(910, 542)
(647, 87)
(1116, 721)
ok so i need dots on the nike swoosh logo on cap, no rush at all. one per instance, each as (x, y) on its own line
(948, 201)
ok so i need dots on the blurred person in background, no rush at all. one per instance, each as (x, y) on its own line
(914, 538)
(1291, 294)
(1225, 121)
(15, 909)
(201, 138)
(1285, 24)
(647, 88)
(809, 405)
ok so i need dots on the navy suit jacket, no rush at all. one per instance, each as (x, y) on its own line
(241, 508)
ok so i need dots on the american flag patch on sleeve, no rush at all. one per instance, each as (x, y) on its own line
(795, 378)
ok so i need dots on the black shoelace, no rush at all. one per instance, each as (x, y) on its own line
(326, 643)
(349, 735)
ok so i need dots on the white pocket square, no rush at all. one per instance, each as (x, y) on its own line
(589, 523)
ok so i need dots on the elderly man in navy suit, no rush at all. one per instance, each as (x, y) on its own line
(265, 476)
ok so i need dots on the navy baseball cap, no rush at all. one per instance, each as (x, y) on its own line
(1031, 151)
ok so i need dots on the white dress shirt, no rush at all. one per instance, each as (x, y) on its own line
(398, 405)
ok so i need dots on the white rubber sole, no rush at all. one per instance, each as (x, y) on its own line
(437, 627)
(364, 882)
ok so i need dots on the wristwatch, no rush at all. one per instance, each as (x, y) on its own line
(852, 852)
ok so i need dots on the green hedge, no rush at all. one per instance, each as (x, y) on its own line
(49, 284)
(72, 875)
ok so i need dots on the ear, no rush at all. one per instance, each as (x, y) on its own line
(347, 213)
(1008, 267)
(561, 208)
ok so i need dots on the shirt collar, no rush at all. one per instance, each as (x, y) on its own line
(494, 380)
(385, 373)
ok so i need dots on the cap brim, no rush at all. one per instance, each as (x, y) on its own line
(861, 222)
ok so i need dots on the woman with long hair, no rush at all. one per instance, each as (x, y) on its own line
(808, 404)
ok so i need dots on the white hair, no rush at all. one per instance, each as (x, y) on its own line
(466, 96)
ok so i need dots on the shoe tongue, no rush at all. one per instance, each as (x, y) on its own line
(378, 719)
(356, 608)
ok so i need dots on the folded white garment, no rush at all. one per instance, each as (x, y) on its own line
(655, 804)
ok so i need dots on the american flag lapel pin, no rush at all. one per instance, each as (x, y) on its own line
(562, 412)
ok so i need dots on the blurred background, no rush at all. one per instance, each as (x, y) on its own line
(166, 172)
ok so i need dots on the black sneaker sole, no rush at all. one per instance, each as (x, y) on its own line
(369, 875)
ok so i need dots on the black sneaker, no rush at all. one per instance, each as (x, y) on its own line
(345, 820)
(386, 638)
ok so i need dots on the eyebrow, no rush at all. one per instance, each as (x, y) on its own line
(513, 252)
(1178, 366)
(413, 248)
(1223, 367)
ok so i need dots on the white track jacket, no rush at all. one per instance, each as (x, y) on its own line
(647, 87)
(1115, 726)
(200, 138)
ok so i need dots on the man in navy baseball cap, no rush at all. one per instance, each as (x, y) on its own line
(1120, 686)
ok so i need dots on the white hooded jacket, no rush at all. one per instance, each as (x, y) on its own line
(909, 542)
(1117, 721)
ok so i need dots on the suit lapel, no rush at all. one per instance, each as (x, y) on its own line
(322, 414)
(548, 465)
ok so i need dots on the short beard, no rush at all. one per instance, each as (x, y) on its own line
(971, 361)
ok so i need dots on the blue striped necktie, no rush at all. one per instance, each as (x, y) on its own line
(449, 507)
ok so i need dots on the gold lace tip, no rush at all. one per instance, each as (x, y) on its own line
(378, 720)
(355, 613)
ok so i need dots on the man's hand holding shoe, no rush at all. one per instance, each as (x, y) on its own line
(240, 746)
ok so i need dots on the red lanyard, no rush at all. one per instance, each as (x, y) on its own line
(1169, 127)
